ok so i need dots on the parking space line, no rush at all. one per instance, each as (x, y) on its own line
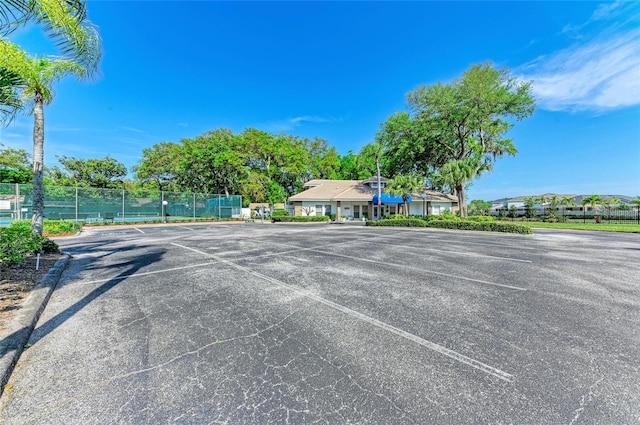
(375, 322)
(404, 266)
(138, 230)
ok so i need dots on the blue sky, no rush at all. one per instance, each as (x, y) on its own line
(337, 70)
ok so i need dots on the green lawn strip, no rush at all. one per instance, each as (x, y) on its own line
(602, 227)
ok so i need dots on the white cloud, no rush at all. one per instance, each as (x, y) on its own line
(291, 123)
(598, 75)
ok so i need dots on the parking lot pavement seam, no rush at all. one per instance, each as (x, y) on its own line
(385, 326)
(12, 345)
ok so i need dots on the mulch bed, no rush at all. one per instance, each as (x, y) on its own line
(16, 281)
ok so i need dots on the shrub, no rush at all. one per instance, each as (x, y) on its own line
(58, 227)
(17, 241)
(442, 217)
(481, 218)
(280, 213)
(301, 219)
(482, 226)
(394, 217)
(488, 226)
(405, 222)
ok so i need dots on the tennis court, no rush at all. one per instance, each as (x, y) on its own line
(262, 323)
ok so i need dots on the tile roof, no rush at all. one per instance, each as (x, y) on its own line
(342, 190)
(354, 190)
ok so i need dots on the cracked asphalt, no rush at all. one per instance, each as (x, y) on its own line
(336, 324)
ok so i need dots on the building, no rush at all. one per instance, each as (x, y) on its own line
(358, 200)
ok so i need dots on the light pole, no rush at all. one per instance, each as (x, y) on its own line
(164, 210)
(424, 204)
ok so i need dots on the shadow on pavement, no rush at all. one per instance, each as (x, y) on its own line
(134, 265)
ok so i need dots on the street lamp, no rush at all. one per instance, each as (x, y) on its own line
(424, 204)
(164, 210)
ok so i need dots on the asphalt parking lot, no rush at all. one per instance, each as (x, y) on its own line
(252, 323)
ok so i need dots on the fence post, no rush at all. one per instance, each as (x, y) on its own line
(194, 207)
(123, 220)
(76, 204)
(17, 215)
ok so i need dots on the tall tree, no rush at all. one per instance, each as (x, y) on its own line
(479, 207)
(450, 123)
(458, 172)
(10, 101)
(404, 186)
(210, 163)
(159, 165)
(65, 21)
(78, 40)
(39, 75)
(15, 166)
(104, 173)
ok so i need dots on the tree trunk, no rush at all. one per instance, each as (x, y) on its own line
(38, 162)
(462, 203)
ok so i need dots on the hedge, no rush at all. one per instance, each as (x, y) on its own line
(404, 222)
(301, 219)
(482, 226)
(17, 241)
(456, 225)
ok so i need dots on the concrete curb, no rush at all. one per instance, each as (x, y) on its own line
(17, 335)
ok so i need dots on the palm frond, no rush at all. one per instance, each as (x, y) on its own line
(10, 100)
(14, 13)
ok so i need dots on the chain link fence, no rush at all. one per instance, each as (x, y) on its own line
(91, 205)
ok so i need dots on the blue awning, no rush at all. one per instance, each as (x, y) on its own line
(389, 199)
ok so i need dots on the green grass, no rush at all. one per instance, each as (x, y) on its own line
(603, 227)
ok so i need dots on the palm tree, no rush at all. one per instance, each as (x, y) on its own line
(63, 20)
(404, 185)
(593, 200)
(38, 75)
(608, 203)
(541, 200)
(457, 173)
(530, 207)
(10, 102)
(567, 201)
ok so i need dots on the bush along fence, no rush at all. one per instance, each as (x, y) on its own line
(456, 224)
(91, 205)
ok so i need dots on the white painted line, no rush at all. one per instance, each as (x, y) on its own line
(138, 230)
(145, 273)
(185, 227)
(403, 266)
(389, 328)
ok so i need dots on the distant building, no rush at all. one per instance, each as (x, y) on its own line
(358, 199)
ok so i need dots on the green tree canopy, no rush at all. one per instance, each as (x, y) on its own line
(158, 166)
(210, 163)
(15, 166)
(453, 123)
(104, 173)
(479, 207)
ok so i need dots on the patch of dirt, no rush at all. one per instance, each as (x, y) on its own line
(16, 281)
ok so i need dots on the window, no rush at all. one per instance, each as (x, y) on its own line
(365, 211)
(318, 209)
(327, 209)
(356, 211)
